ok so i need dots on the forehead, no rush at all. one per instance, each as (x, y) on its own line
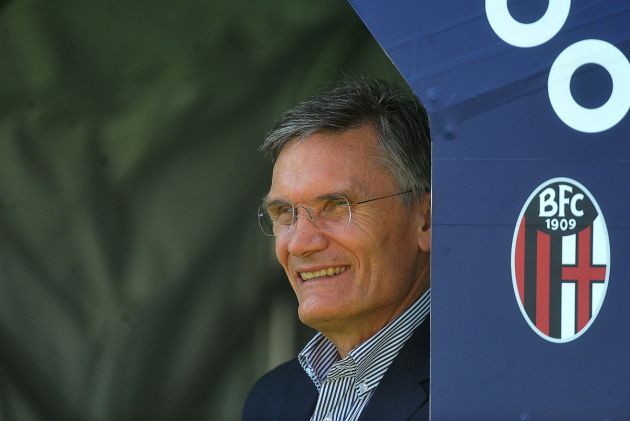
(326, 163)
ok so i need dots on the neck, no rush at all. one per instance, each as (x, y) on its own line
(346, 335)
(346, 342)
(351, 335)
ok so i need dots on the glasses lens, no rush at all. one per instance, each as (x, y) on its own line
(265, 222)
(335, 213)
(275, 217)
(330, 214)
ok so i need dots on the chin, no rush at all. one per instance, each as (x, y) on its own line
(317, 317)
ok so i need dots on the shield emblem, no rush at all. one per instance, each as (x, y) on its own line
(560, 260)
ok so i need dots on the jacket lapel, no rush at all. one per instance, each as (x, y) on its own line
(301, 398)
(404, 390)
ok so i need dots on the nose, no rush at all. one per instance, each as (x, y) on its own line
(305, 237)
(309, 213)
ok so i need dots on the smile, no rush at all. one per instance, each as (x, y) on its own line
(323, 272)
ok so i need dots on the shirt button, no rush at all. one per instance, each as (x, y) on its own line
(362, 387)
(328, 419)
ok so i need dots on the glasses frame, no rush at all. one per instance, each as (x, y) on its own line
(262, 211)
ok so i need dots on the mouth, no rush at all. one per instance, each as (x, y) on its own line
(326, 272)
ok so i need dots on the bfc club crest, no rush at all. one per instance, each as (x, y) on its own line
(560, 260)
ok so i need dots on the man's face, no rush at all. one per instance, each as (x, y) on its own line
(382, 256)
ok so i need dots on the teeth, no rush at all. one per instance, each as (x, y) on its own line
(323, 272)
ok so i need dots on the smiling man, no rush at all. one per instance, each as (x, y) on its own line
(349, 207)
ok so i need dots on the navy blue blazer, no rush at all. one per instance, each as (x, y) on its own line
(287, 394)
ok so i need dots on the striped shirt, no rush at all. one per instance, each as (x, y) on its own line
(346, 385)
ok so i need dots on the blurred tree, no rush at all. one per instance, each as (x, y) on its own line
(134, 283)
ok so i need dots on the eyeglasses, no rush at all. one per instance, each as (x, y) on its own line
(329, 213)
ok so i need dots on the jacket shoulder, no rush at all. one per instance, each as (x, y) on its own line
(286, 392)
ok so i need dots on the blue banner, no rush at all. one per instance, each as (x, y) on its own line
(529, 115)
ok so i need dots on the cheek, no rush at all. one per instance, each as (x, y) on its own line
(365, 241)
(369, 227)
(390, 252)
(379, 233)
(281, 252)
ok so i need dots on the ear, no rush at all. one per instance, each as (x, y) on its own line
(424, 226)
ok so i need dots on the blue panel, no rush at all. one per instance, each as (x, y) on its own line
(496, 138)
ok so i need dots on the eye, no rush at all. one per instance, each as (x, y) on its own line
(281, 213)
(336, 206)
(285, 209)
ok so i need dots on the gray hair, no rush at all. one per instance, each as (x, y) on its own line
(400, 120)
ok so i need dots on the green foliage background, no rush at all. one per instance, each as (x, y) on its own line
(134, 284)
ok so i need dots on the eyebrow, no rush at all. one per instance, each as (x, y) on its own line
(267, 201)
(329, 196)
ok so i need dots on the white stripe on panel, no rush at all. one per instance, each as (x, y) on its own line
(567, 327)
(596, 296)
(600, 248)
(568, 250)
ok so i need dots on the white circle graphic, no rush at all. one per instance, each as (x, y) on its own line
(527, 34)
(590, 120)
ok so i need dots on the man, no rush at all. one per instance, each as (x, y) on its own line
(349, 207)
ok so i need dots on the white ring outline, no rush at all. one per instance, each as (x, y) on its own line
(527, 35)
(590, 120)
